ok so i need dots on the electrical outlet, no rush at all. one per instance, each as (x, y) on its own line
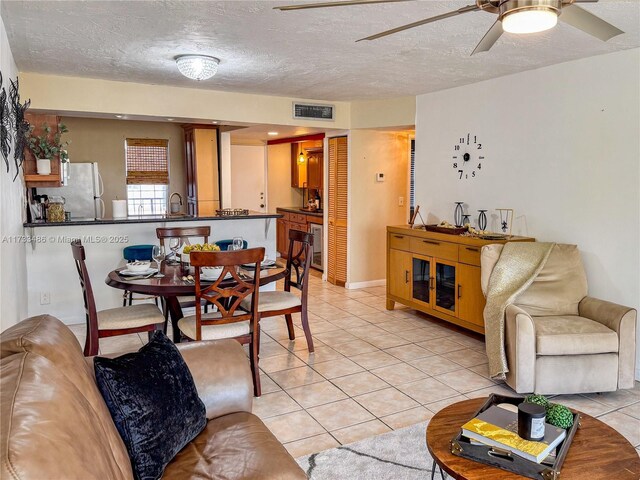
(401, 201)
(45, 298)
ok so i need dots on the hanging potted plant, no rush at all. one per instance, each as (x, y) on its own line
(44, 148)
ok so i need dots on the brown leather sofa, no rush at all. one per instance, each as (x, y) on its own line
(55, 425)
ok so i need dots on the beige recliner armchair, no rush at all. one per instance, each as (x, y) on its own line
(559, 340)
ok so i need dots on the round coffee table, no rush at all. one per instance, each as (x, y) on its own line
(598, 452)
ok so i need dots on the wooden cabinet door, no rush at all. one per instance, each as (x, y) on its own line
(400, 273)
(471, 301)
(445, 295)
(337, 211)
(314, 170)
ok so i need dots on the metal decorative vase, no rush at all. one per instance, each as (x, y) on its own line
(466, 219)
(482, 220)
(458, 214)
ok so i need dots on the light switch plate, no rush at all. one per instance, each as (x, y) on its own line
(379, 177)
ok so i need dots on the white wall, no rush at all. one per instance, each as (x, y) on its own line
(279, 190)
(13, 275)
(562, 149)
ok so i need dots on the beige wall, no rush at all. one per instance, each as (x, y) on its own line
(374, 205)
(389, 112)
(102, 141)
(279, 191)
(90, 96)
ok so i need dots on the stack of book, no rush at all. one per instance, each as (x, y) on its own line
(498, 427)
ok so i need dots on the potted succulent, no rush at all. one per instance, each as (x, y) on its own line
(44, 148)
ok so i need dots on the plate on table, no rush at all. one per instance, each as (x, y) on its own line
(128, 273)
(212, 273)
(266, 263)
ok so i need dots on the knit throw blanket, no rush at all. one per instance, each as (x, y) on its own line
(519, 264)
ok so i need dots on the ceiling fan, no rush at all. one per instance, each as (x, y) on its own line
(514, 16)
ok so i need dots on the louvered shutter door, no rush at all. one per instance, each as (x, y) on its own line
(338, 188)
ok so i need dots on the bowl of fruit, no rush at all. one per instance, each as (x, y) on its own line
(198, 247)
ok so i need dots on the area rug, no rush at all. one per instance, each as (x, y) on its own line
(398, 455)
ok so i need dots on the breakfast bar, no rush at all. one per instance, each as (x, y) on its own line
(53, 285)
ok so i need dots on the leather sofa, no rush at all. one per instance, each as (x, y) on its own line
(55, 425)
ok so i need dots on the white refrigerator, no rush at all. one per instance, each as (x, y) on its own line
(82, 191)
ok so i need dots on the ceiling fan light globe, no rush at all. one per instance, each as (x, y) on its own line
(197, 67)
(529, 20)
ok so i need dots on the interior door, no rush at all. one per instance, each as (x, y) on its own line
(337, 211)
(248, 177)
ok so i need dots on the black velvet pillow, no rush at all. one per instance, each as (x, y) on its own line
(153, 402)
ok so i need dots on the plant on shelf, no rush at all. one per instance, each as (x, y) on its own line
(43, 147)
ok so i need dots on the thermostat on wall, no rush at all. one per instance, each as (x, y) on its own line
(379, 177)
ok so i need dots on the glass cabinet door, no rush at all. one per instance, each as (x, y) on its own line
(421, 282)
(445, 294)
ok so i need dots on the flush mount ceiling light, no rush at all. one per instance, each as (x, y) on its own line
(530, 19)
(197, 67)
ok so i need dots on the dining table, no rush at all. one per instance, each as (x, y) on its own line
(171, 284)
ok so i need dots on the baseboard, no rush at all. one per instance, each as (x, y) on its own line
(371, 283)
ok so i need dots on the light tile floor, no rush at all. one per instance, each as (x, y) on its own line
(376, 370)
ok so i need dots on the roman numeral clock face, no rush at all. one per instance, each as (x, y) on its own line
(468, 157)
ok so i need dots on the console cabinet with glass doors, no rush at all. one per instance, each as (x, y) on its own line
(437, 274)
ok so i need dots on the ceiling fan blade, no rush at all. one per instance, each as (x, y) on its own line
(588, 23)
(346, 3)
(468, 8)
(489, 38)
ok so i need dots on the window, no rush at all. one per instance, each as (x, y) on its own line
(147, 162)
(412, 179)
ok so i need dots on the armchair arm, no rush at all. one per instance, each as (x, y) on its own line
(621, 320)
(221, 372)
(520, 345)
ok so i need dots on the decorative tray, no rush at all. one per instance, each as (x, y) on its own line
(506, 460)
(449, 231)
(232, 212)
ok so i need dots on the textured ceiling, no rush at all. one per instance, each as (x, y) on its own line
(305, 54)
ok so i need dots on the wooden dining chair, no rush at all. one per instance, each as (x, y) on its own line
(114, 321)
(285, 302)
(186, 234)
(230, 320)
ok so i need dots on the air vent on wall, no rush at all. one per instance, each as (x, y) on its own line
(313, 111)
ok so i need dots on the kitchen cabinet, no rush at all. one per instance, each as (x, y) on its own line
(29, 166)
(307, 174)
(437, 274)
(294, 219)
(201, 144)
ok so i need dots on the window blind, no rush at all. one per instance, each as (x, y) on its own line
(147, 161)
(412, 179)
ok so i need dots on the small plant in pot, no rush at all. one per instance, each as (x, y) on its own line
(44, 147)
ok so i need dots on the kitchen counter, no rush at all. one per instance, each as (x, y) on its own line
(147, 219)
(302, 210)
(52, 271)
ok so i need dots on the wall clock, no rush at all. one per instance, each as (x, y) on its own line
(468, 157)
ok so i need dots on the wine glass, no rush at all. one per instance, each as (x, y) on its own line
(174, 244)
(238, 243)
(158, 255)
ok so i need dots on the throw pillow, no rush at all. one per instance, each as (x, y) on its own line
(153, 402)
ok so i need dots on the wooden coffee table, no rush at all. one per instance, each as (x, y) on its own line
(597, 451)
